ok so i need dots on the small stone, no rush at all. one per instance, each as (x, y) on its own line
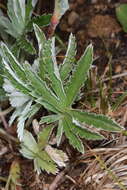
(63, 26)
(72, 18)
(73, 6)
(81, 35)
(103, 26)
(80, 2)
(118, 69)
(94, 1)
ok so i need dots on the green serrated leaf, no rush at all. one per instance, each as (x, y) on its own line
(59, 132)
(84, 132)
(26, 45)
(13, 70)
(12, 62)
(14, 95)
(79, 75)
(73, 138)
(47, 105)
(16, 13)
(41, 41)
(121, 13)
(10, 75)
(16, 114)
(96, 120)
(6, 25)
(2, 91)
(33, 110)
(2, 94)
(19, 13)
(40, 38)
(27, 112)
(66, 67)
(41, 21)
(48, 63)
(44, 162)
(44, 135)
(29, 9)
(49, 119)
(22, 119)
(40, 87)
(29, 147)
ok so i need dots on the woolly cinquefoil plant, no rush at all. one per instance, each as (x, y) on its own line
(55, 87)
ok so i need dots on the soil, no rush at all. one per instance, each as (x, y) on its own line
(91, 21)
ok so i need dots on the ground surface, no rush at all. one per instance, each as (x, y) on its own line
(103, 166)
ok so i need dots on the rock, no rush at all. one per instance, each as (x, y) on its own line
(94, 1)
(80, 2)
(118, 69)
(63, 26)
(103, 26)
(73, 6)
(72, 18)
(81, 36)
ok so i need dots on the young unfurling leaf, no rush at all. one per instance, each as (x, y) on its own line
(44, 156)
